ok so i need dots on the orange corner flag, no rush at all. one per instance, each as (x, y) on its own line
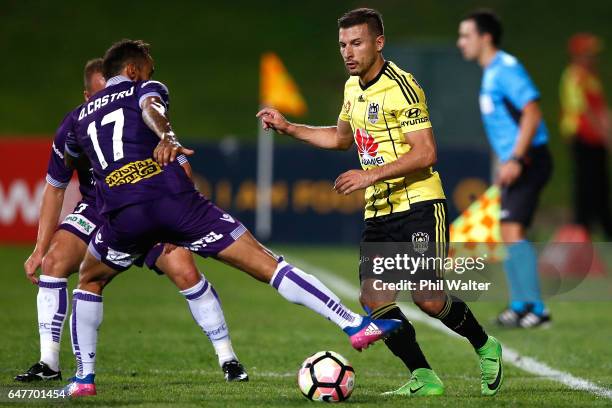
(477, 229)
(277, 88)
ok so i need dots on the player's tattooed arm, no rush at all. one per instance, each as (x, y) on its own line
(339, 137)
(422, 154)
(188, 170)
(155, 115)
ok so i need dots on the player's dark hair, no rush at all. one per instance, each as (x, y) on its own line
(487, 22)
(364, 15)
(122, 53)
(91, 67)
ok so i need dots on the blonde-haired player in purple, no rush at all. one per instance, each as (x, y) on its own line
(146, 198)
(60, 249)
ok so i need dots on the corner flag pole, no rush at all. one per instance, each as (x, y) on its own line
(278, 90)
(265, 174)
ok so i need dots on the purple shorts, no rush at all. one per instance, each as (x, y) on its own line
(84, 222)
(150, 258)
(186, 219)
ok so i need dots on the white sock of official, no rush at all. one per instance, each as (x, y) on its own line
(208, 314)
(301, 288)
(52, 305)
(86, 317)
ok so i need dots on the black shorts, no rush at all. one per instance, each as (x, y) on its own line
(423, 230)
(519, 201)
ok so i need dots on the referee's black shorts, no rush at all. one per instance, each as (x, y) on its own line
(519, 201)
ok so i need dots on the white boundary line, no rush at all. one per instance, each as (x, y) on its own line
(511, 356)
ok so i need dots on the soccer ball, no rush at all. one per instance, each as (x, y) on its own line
(326, 376)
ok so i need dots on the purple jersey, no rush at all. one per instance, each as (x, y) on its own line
(109, 129)
(58, 174)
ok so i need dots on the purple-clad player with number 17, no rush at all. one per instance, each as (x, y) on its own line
(60, 249)
(146, 197)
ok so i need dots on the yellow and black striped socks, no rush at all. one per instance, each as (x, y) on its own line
(403, 342)
(458, 317)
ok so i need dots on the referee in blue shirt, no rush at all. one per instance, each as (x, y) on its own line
(513, 122)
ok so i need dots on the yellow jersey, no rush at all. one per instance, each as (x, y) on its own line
(380, 113)
(582, 99)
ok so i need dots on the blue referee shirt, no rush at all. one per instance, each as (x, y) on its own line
(505, 90)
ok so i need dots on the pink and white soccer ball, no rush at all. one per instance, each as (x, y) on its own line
(326, 376)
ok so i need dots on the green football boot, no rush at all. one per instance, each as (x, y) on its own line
(491, 367)
(424, 382)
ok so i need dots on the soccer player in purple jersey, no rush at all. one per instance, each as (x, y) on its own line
(125, 132)
(60, 249)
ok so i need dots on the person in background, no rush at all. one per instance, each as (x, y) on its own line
(585, 122)
(512, 118)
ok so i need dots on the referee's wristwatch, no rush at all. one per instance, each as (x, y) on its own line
(518, 159)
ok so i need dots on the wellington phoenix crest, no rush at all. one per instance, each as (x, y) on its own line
(420, 242)
(373, 108)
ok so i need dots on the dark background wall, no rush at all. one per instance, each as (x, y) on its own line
(208, 55)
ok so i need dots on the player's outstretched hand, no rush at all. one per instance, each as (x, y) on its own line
(31, 265)
(352, 180)
(273, 119)
(168, 148)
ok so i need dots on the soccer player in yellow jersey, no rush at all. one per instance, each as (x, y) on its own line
(385, 114)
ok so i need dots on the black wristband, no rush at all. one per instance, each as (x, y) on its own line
(518, 159)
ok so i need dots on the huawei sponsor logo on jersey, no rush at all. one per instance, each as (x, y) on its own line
(368, 149)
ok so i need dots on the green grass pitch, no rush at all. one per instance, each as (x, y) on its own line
(151, 353)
